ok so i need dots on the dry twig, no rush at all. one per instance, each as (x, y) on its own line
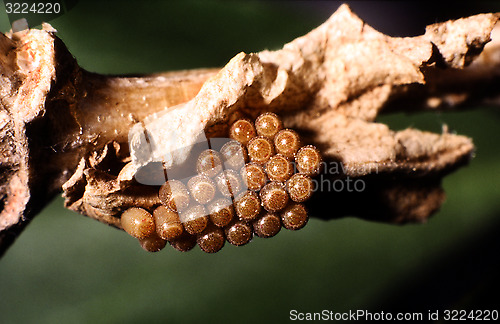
(63, 128)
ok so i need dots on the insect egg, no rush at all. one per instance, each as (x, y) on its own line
(138, 222)
(279, 168)
(211, 240)
(202, 188)
(287, 143)
(268, 124)
(294, 217)
(209, 163)
(221, 212)
(174, 195)
(260, 149)
(247, 206)
(274, 196)
(267, 226)
(168, 224)
(234, 155)
(229, 183)
(152, 243)
(254, 176)
(195, 219)
(184, 243)
(239, 233)
(242, 130)
(232, 182)
(299, 187)
(308, 160)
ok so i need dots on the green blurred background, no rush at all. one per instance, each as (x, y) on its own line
(68, 268)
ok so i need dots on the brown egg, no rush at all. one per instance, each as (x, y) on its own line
(267, 225)
(234, 155)
(221, 212)
(273, 196)
(287, 143)
(195, 219)
(168, 224)
(174, 195)
(229, 183)
(294, 217)
(242, 131)
(300, 187)
(138, 222)
(209, 163)
(152, 243)
(184, 243)
(202, 189)
(239, 233)
(211, 240)
(268, 124)
(253, 175)
(260, 149)
(279, 168)
(308, 160)
(247, 206)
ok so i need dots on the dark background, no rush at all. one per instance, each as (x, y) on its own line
(68, 268)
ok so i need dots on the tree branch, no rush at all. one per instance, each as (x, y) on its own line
(63, 128)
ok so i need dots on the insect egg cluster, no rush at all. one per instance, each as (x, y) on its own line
(254, 184)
